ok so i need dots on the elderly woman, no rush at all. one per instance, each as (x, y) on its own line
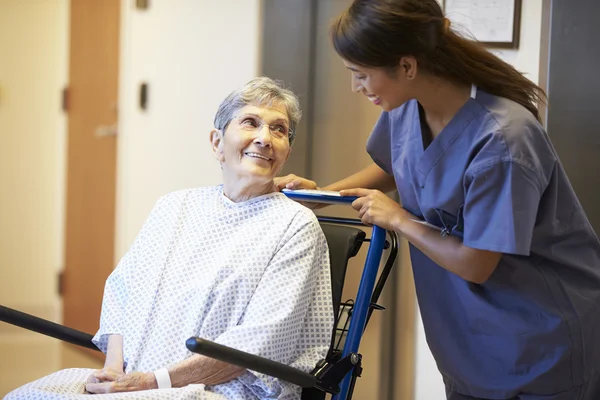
(238, 264)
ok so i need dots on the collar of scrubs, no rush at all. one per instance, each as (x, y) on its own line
(430, 156)
(473, 91)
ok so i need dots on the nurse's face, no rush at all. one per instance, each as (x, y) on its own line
(383, 88)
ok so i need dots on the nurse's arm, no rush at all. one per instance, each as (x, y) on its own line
(449, 252)
(371, 177)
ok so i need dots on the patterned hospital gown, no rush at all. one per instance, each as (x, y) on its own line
(252, 275)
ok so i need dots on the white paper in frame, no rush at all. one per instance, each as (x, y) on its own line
(496, 23)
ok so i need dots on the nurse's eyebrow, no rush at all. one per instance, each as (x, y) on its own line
(353, 69)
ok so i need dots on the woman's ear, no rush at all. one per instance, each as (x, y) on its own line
(216, 140)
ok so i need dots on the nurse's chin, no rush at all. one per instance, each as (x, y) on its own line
(385, 107)
(389, 107)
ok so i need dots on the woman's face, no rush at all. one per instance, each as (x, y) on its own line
(381, 88)
(255, 145)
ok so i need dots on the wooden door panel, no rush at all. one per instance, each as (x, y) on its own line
(91, 165)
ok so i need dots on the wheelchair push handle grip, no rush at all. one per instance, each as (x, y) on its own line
(318, 196)
(251, 362)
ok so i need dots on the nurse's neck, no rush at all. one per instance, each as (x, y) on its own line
(441, 100)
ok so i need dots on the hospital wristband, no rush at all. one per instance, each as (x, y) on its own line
(163, 380)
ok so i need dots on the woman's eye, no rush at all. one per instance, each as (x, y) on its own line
(249, 122)
(361, 77)
(281, 129)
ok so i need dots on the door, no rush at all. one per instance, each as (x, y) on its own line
(92, 112)
(573, 105)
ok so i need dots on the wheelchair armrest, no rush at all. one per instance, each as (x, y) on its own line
(251, 362)
(46, 327)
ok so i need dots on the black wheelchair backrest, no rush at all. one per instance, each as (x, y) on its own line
(344, 243)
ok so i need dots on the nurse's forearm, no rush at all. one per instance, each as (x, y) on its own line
(472, 265)
(200, 369)
(371, 177)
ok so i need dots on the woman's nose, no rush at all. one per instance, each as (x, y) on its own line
(263, 135)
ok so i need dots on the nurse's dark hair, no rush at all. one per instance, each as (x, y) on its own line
(378, 33)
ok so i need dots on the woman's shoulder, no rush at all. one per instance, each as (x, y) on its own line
(197, 192)
(299, 212)
(296, 216)
(197, 198)
(272, 205)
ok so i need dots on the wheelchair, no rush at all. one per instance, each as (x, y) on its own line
(337, 374)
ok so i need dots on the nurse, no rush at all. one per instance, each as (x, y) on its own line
(508, 271)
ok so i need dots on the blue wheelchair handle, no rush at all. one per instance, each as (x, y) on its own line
(367, 281)
(318, 196)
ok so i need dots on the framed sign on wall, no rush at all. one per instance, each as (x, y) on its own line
(496, 23)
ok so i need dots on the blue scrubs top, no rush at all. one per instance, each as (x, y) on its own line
(492, 178)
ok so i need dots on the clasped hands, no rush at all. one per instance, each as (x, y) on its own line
(109, 380)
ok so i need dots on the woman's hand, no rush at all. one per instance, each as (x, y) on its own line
(294, 182)
(131, 382)
(106, 374)
(375, 208)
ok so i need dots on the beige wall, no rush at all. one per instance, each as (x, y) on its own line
(33, 70)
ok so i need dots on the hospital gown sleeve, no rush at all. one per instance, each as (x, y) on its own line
(290, 317)
(117, 286)
(501, 205)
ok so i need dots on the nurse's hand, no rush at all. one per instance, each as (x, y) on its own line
(375, 208)
(292, 181)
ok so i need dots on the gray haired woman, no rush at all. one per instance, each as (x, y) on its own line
(239, 264)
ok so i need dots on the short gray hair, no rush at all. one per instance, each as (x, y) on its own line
(260, 91)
